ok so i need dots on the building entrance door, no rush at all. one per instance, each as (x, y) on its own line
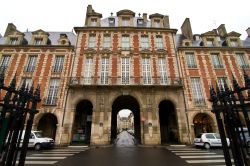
(47, 124)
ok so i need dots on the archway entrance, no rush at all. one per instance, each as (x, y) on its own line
(130, 103)
(168, 122)
(202, 124)
(47, 124)
(81, 131)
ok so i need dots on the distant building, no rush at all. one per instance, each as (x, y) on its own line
(125, 62)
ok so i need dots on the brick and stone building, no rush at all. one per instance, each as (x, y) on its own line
(125, 62)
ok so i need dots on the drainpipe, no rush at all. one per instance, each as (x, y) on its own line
(67, 90)
(183, 93)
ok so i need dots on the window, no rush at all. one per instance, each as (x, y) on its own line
(234, 43)
(241, 59)
(144, 42)
(88, 71)
(210, 42)
(52, 93)
(31, 64)
(157, 23)
(162, 71)
(38, 41)
(146, 71)
(159, 42)
(140, 22)
(112, 20)
(191, 62)
(91, 41)
(106, 41)
(13, 40)
(197, 91)
(58, 67)
(104, 70)
(125, 68)
(93, 22)
(28, 82)
(4, 63)
(125, 42)
(216, 61)
(221, 82)
(125, 21)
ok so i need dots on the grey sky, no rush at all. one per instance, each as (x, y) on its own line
(63, 15)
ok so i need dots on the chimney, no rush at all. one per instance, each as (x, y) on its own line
(186, 29)
(166, 22)
(89, 11)
(248, 31)
(11, 27)
(222, 30)
(145, 17)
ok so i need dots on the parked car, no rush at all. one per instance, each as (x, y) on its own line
(246, 134)
(208, 140)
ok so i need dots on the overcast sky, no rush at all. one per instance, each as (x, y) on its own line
(63, 15)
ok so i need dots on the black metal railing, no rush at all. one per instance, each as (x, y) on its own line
(227, 105)
(166, 81)
(17, 107)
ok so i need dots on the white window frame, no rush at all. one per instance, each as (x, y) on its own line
(38, 40)
(92, 41)
(144, 42)
(221, 82)
(13, 40)
(88, 70)
(146, 71)
(93, 22)
(105, 71)
(5, 62)
(58, 65)
(125, 42)
(197, 91)
(28, 82)
(125, 21)
(163, 71)
(157, 23)
(125, 70)
(210, 42)
(242, 60)
(190, 59)
(159, 42)
(106, 41)
(216, 60)
(31, 65)
(53, 91)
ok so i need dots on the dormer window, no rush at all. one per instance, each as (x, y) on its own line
(157, 23)
(111, 20)
(125, 21)
(93, 22)
(38, 41)
(139, 21)
(210, 42)
(13, 40)
(234, 43)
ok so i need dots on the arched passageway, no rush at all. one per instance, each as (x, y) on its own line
(126, 102)
(202, 124)
(81, 131)
(48, 125)
(168, 122)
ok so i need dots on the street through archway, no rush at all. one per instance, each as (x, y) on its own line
(125, 139)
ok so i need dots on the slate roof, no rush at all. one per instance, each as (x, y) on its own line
(53, 37)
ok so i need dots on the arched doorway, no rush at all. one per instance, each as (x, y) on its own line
(47, 124)
(168, 122)
(130, 103)
(202, 124)
(81, 131)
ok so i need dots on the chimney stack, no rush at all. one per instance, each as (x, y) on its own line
(11, 27)
(222, 30)
(145, 17)
(89, 11)
(248, 31)
(186, 29)
(166, 22)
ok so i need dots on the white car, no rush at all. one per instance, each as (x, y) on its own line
(208, 140)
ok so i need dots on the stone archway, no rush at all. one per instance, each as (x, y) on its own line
(202, 124)
(126, 102)
(168, 122)
(48, 125)
(81, 131)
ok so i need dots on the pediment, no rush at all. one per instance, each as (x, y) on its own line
(145, 51)
(234, 34)
(90, 51)
(105, 51)
(161, 51)
(209, 33)
(16, 33)
(40, 32)
(126, 12)
(156, 15)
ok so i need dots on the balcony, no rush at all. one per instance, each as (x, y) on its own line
(129, 81)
